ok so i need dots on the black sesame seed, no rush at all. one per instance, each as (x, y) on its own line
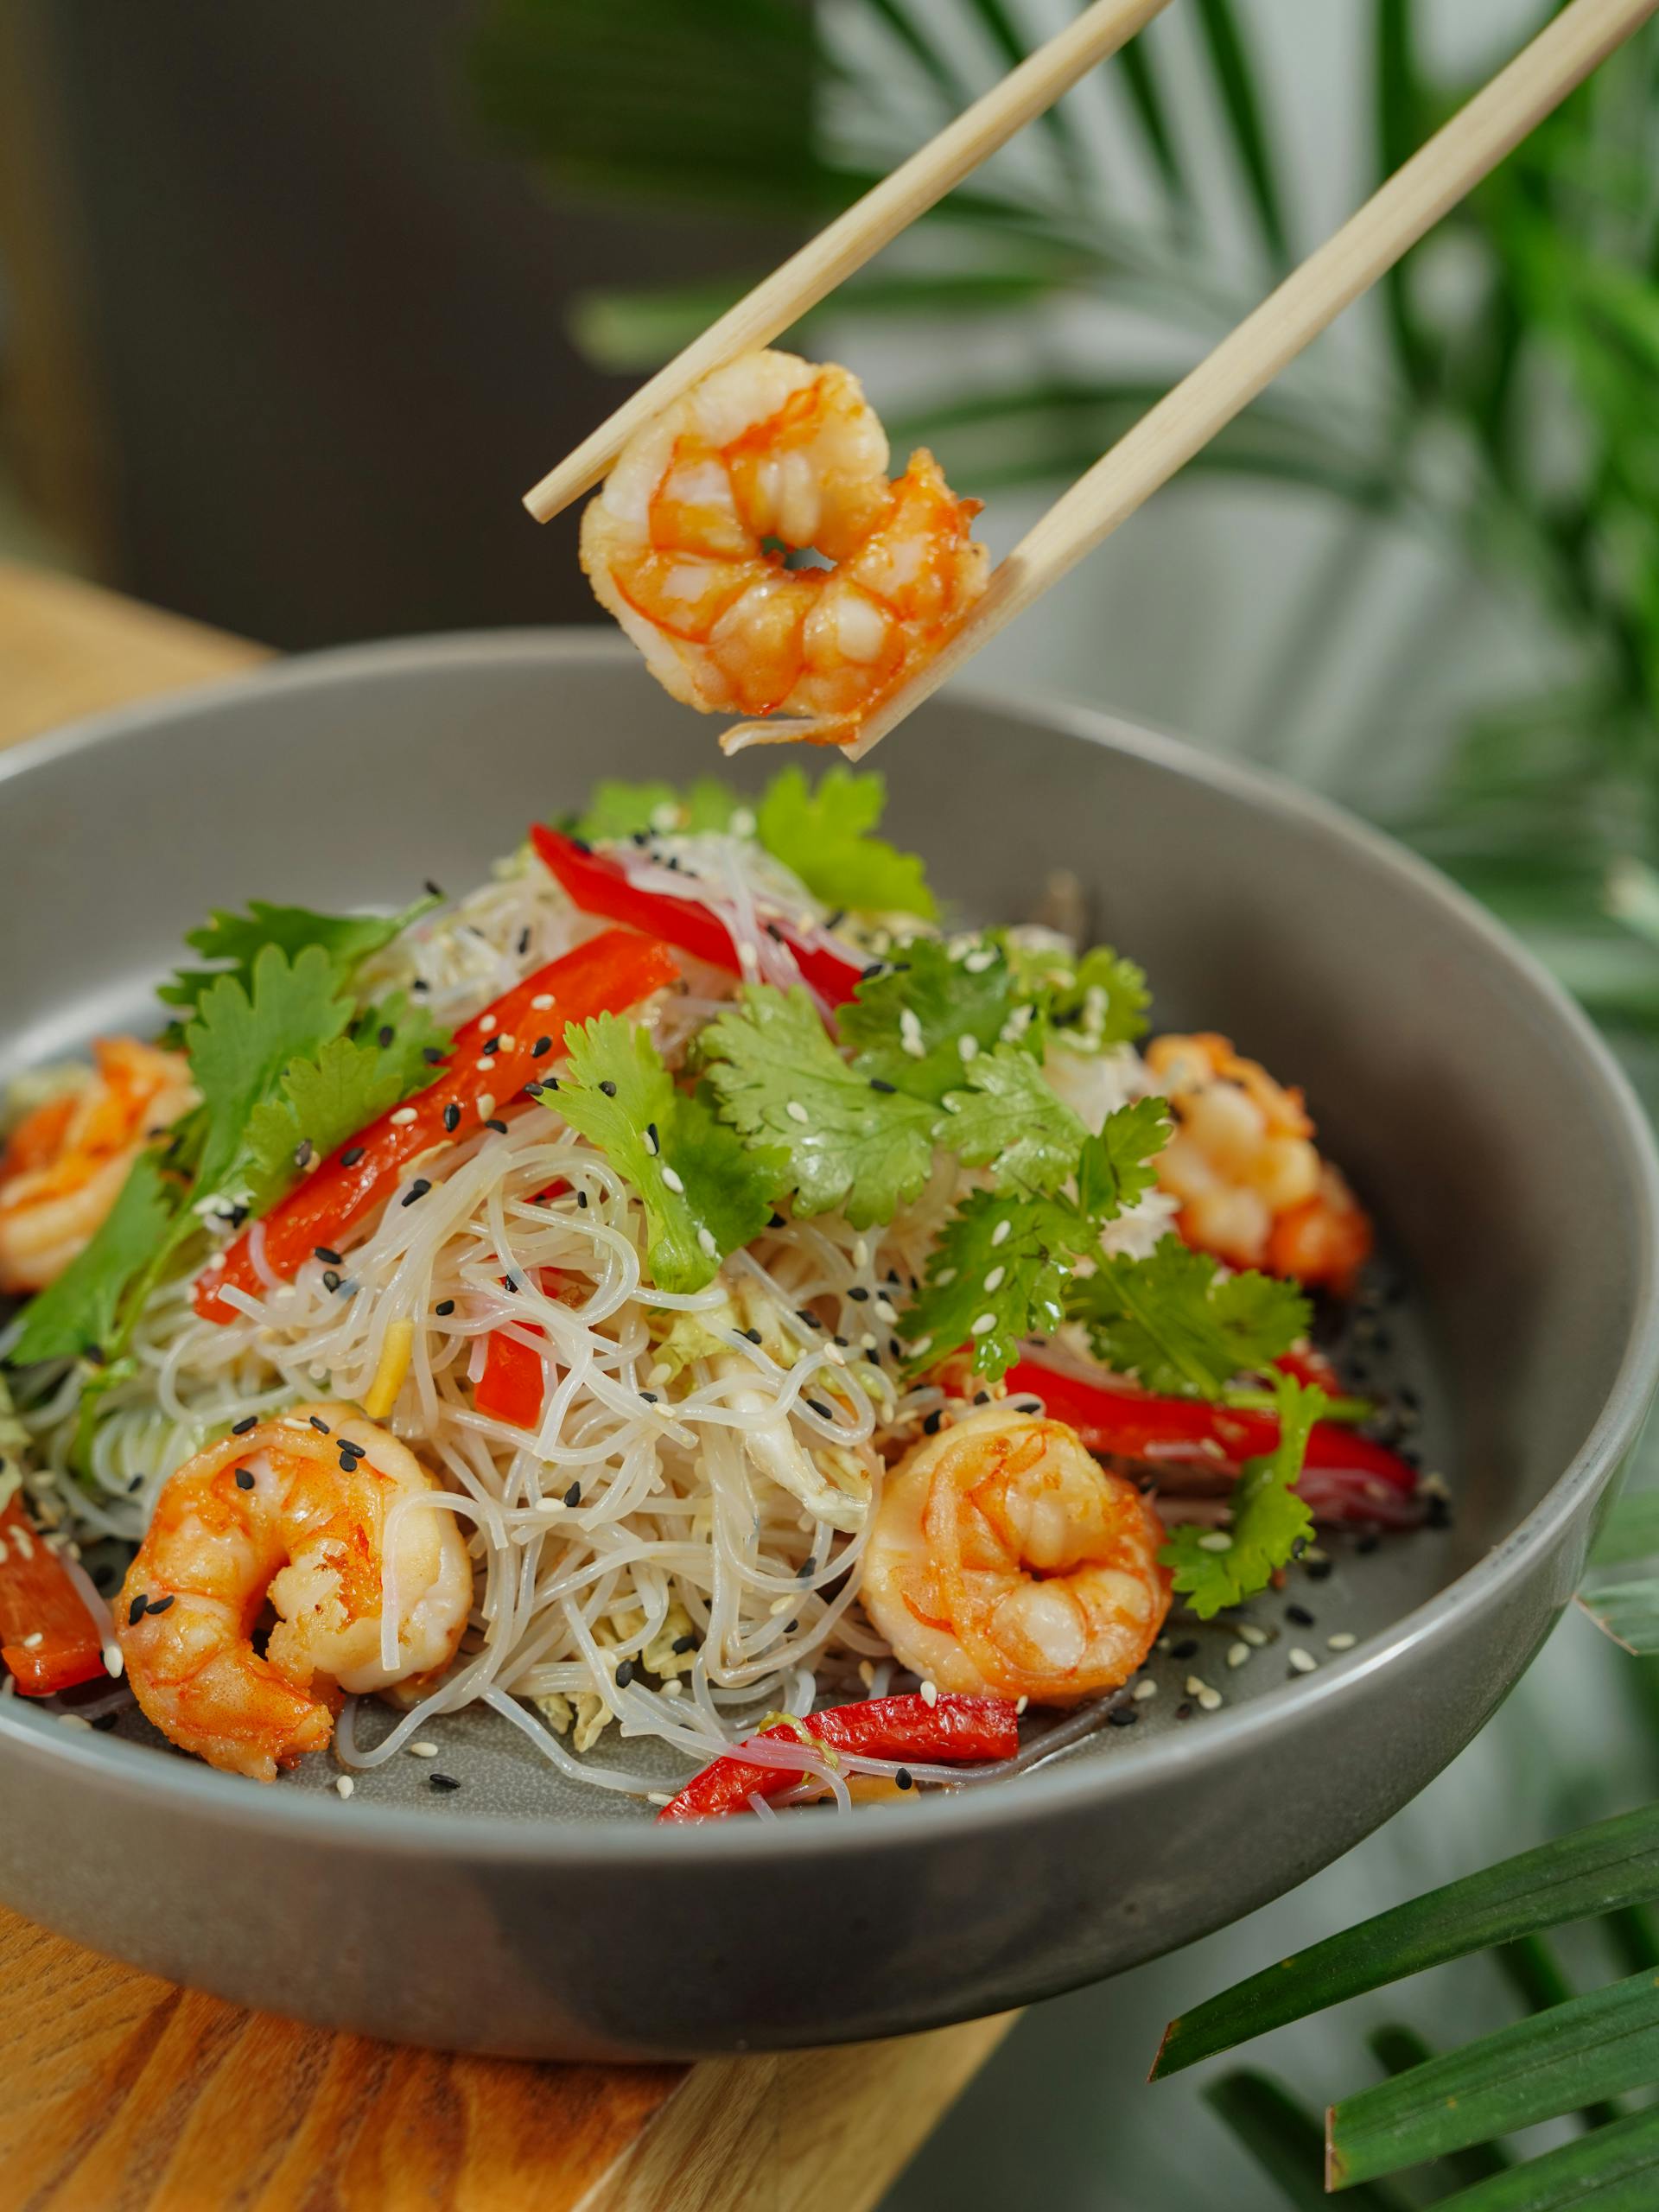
(1186, 1649)
(1301, 1615)
(104, 1722)
(1439, 1514)
(753, 1335)
(496, 1124)
(834, 921)
(241, 1428)
(550, 1082)
(609, 1089)
(581, 1200)
(904, 1778)
(932, 1424)
(1027, 1405)
(573, 1495)
(844, 1342)
(323, 1252)
(982, 1398)
(876, 1084)
(160, 1604)
(350, 1159)
(523, 941)
(777, 1220)
(1183, 1711)
(244, 1478)
(820, 1409)
(385, 1034)
(625, 1674)
(1123, 1716)
(432, 1056)
(654, 1139)
(302, 1152)
(541, 1048)
(811, 1319)
(874, 969)
(445, 1305)
(444, 1782)
(1368, 1542)
(135, 1610)
(432, 890)
(420, 983)
(492, 1045)
(319, 1424)
(331, 1278)
(510, 1282)
(896, 1350)
(452, 1116)
(858, 1293)
(650, 1398)
(1319, 1570)
(236, 1215)
(790, 1627)
(808, 1566)
(683, 1644)
(417, 1189)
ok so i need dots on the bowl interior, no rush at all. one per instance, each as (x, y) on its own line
(1464, 1099)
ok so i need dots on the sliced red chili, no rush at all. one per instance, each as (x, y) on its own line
(47, 1638)
(512, 1385)
(952, 1731)
(599, 884)
(491, 1058)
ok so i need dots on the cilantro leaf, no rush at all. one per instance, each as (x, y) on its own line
(907, 1024)
(241, 1044)
(1008, 1120)
(617, 811)
(1269, 1518)
(352, 1082)
(1089, 1004)
(1180, 1326)
(1114, 1169)
(822, 832)
(997, 1273)
(77, 1313)
(238, 940)
(705, 1192)
(847, 1148)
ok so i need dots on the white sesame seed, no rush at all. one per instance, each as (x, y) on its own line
(1304, 1662)
(747, 958)
(674, 1182)
(707, 1245)
(861, 1253)
(541, 1001)
(1238, 1654)
(834, 1355)
(742, 823)
(781, 1605)
(993, 1281)
(869, 1342)
(650, 1143)
(977, 962)
(406, 1114)
(1251, 1635)
(797, 1112)
(1216, 1540)
(550, 1505)
(483, 1066)
(945, 1275)
(509, 1044)
(673, 1688)
(344, 1786)
(1022, 1702)
(422, 1749)
(999, 1235)
(883, 1310)
(982, 1325)
(968, 1045)
(910, 1035)
(866, 1674)
(74, 1720)
(34, 1642)
(487, 1025)
(930, 1693)
(486, 1105)
(1343, 1641)
(1144, 1690)
(113, 1661)
(921, 1344)
(1208, 1700)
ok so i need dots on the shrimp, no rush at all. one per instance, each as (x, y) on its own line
(1004, 1559)
(296, 1515)
(1252, 1186)
(681, 545)
(64, 1167)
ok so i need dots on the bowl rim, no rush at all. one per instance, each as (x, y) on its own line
(133, 1773)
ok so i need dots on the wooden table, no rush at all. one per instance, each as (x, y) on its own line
(119, 2092)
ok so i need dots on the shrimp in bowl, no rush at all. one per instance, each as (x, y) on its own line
(297, 1512)
(686, 544)
(1005, 1560)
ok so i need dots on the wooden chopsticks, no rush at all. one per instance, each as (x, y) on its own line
(854, 238)
(1435, 178)
(1223, 383)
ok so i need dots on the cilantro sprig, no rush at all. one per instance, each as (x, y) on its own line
(1269, 1522)
(1180, 1325)
(705, 1192)
(234, 942)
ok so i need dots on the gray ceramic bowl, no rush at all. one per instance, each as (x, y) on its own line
(1477, 1111)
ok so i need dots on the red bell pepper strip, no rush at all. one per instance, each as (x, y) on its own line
(598, 885)
(607, 974)
(38, 1598)
(1123, 1423)
(957, 1730)
(512, 1386)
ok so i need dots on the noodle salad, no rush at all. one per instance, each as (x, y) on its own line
(681, 1291)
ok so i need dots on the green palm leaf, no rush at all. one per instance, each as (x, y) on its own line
(1396, 2050)
(1236, 85)
(1287, 2141)
(1614, 2169)
(1613, 1864)
(1141, 82)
